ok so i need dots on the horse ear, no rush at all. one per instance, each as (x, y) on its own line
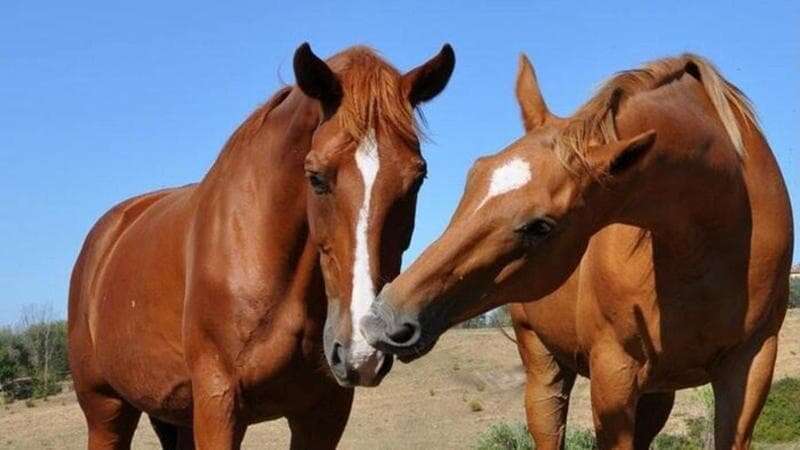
(617, 157)
(531, 103)
(316, 79)
(428, 80)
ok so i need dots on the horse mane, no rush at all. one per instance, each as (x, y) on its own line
(373, 95)
(594, 124)
(250, 127)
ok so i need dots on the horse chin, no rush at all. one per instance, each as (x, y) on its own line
(417, 351)
(384, 370)
(356, 379)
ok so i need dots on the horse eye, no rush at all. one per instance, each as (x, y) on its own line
(318, 183)
(535, 230)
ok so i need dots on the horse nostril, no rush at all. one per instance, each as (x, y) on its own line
(404, 334)
(337, 355)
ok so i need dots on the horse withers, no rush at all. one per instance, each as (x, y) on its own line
(216, 305)
(646, 241)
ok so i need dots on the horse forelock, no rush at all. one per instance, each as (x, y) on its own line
(373, 95)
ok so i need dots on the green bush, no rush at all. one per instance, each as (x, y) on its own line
(780, 419)
(505, 436)
(794, 292)
(33, 356)
(498, 317)
(698, 429)
(581, 440)
(514, 436)
(676, 442)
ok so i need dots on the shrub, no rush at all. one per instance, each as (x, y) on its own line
(498, 317)
(475, 406)
(676, 442)
(35, 350)
(581, 440)
(505, 436)
(794, 292)
(780, 418)
(514, 436)
(43, 388)
(698, 429)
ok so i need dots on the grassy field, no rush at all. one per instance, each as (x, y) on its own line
(472, 380)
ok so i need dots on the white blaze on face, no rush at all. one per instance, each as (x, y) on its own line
(363, 291)
(513, 174)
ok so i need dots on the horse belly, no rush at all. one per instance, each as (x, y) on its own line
(142, 360)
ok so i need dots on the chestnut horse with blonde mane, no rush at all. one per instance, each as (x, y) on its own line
(646, 242)
(214, 306)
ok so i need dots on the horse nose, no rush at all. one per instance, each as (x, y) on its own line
(387, 330)
(405, 334)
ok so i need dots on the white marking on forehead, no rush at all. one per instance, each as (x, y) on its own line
(513, 174)
(363, 290)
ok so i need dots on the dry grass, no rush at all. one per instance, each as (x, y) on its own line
(426, 404)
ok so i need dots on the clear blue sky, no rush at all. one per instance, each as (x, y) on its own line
(101, 102)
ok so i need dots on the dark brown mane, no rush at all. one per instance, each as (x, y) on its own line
(373, 95)
(593, 123)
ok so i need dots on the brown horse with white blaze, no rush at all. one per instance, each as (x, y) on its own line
(213, 306)
(646, 242)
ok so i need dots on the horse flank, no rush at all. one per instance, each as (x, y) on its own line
(594, 121)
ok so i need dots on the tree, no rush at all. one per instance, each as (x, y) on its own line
(9, 356)
(44, 339)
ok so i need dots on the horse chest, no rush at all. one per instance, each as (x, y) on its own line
(665, 313)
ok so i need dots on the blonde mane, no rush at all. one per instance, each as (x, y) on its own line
(593, 123)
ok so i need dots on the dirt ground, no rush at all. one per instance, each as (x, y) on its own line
(427, 404)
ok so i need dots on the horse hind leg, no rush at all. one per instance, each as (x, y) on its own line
(652, 412)
(172, 437)
(110, 419)
(741, 386)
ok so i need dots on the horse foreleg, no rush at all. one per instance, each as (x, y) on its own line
(321, 428)
(547, 391)
(652, 412)
(172, 437)
(215, 422)
(615, 394)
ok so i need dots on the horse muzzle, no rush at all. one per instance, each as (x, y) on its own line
(358, 364)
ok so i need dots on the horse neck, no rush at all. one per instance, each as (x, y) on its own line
(252, 208)
(691, 194)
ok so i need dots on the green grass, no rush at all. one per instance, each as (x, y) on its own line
(779, 423)
(514, 436)
(505, 436)
(780, 419)
(676, 442)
